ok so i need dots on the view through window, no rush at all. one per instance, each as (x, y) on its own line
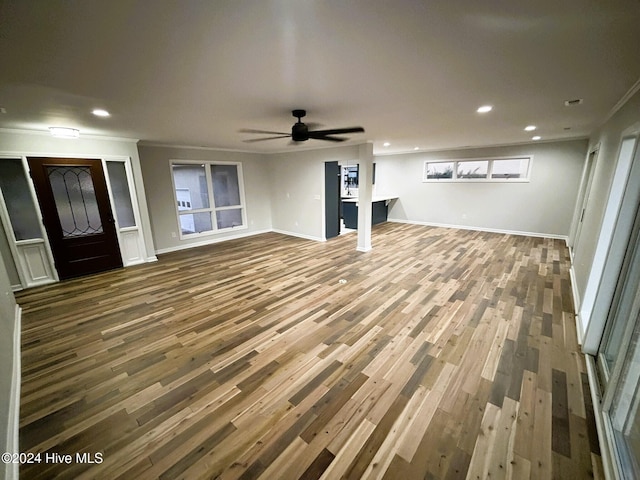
(209, 197)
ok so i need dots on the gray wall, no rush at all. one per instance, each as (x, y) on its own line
(543, 206)
(156, 169)
(297, 185)
(607, 140)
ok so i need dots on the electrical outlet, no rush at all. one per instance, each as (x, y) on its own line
(173, 235)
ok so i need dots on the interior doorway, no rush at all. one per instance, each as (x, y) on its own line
(587, 180)
(77, 215)
(332, 213)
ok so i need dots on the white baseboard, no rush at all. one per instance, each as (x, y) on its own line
(576, 304)
(13, 424)
(482, 229)
(209, 241)
(570, 251)
(299, 235)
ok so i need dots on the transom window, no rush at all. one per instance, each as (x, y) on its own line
(209, 197)
(512, 169)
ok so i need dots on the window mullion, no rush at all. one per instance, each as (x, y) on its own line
(212, 201)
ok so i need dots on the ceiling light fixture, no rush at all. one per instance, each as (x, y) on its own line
(386, 144)
(416, 148)
(99, 112)
(530, 128)
(536, 137)
(64, 132)
(573, 103)
(484, 109)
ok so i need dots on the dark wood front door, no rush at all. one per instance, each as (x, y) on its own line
(77, 215)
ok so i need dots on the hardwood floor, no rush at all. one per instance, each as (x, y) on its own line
(440, 354)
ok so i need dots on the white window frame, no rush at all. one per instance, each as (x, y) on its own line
(212, 209)
(487, 179)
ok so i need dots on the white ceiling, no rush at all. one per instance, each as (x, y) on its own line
(410, 72)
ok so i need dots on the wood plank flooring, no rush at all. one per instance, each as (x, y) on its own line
(440, 354)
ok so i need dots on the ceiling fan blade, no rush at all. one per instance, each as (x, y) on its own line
(250, 130)
(326, 137)
(251, 140)
(338, 131)
(301, 132)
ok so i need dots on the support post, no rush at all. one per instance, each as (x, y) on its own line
(365, 193)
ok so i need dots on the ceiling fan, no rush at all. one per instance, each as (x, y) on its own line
(300, 131)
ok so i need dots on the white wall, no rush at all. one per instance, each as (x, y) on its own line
(155, 161)
(297, 185)
(544, 206)
(17, 144)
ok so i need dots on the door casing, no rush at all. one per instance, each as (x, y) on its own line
(77, 255)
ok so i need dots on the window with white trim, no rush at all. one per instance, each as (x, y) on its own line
(438, 170)
(209, 197)
(507, 169)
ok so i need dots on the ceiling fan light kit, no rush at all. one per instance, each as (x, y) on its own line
(300, 131)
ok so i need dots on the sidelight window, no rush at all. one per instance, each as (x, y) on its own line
(18, 201)
(121, 194)
(209, 197)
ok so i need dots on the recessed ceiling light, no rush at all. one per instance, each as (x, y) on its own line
(530, 128)
(484, 109)
(536, 137)
(64, 132)
(386, 144)
(571, 103)
(416, 148)
(99, 112)
(3, 110)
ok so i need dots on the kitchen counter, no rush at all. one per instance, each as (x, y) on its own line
(375, 198)
(379, 207)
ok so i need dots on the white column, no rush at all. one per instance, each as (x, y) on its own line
(365, 193)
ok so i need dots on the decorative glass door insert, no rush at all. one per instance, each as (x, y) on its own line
(75, 199)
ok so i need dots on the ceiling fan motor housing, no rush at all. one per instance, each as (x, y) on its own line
(299, 132)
